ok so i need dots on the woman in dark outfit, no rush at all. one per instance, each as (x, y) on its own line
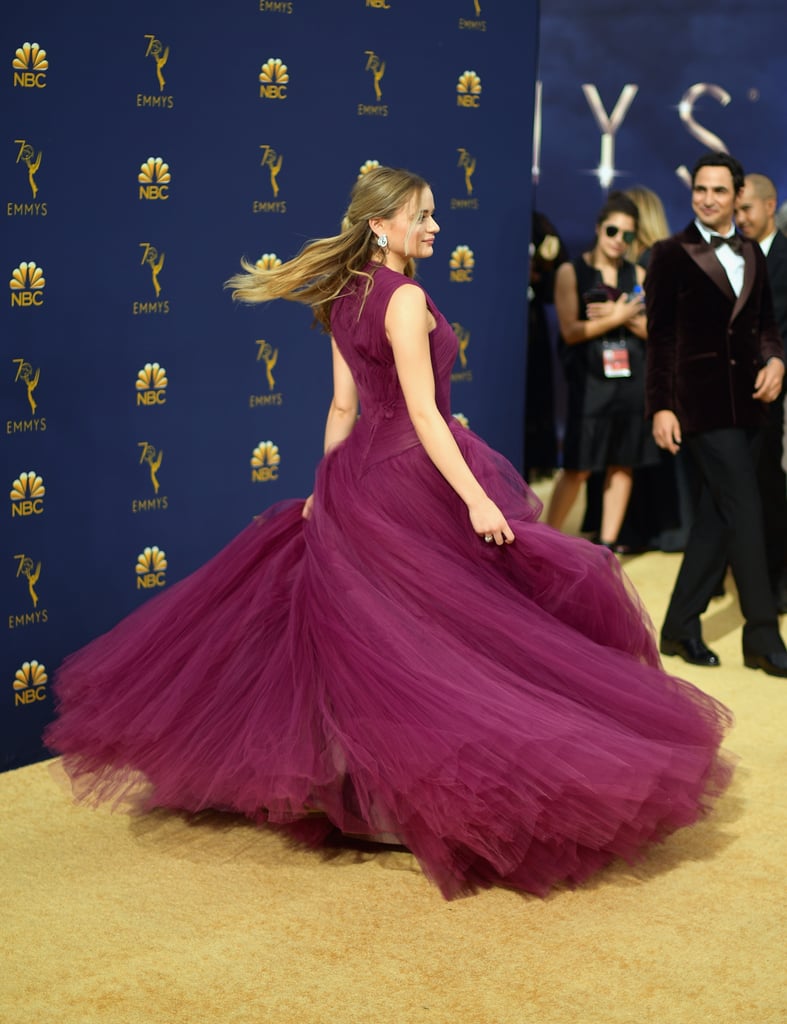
(599, 307)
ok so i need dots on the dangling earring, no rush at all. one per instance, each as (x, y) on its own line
(382, 241)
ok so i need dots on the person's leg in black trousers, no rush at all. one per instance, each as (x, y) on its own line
(727, 527)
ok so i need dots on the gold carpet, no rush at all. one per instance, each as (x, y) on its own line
(109, 919)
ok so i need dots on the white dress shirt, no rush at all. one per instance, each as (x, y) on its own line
(732, 262)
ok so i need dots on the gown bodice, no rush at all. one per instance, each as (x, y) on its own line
(358, 326)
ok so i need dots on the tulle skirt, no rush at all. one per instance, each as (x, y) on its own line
(378, 669)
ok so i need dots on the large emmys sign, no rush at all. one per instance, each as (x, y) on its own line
(609, 124)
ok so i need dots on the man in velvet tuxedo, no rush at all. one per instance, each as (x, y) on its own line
(715, 361)
(755, 212)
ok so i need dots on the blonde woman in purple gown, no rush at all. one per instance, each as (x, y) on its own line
(408, 652)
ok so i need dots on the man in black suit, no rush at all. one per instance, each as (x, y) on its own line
(715, 360)
(755, 212)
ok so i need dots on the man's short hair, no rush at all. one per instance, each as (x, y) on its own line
(721, 160)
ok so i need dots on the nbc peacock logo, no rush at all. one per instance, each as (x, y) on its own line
(27, 495)
(268, 261)
(151, 385)
(30, 683)
(27, 285)
(468, 90)
(154, 179)
(265, 461)
(151, 568)
(274, 79)
(462, 263)
(30, 66)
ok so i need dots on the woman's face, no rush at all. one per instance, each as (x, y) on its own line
(615, 234)
(411, 231)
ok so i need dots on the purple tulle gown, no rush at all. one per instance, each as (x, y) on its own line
(500, 710)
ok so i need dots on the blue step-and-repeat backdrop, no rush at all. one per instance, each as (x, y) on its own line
(145, 149)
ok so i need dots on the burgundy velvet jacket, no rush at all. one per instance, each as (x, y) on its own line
(705, 347)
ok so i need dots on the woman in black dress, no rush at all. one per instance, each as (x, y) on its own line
(600, 310)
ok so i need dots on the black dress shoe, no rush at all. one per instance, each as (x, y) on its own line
(774, 664)
(691, 650)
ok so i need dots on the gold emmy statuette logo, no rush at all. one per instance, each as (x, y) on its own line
(27, 155)
(273, 161)
(151, 568)
(25, 373)
(27, 285)
(270, 356)
(151, 257)
(463, 336)
(381, 5)
(265, 461)
(160, 55)
(154, 178)
(477, 24)
(150, 457)
(377, 68)
(468, 90)
(31, 572)
(29, 683)
(27, 495)
(369, 165)
(268, 261)
(461, 418)
(461, 263)
(151, 385)
(30, 65)
(467, 163)
(274, 77)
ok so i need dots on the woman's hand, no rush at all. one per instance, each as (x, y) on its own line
(618, 311)
(489, 522)
(307, 507)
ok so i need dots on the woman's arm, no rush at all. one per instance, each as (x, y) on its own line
(637, 322)
(407, 327)
(343, 410)
(604, 316)
(342, 413)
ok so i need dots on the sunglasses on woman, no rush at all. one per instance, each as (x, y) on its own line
(612, 229)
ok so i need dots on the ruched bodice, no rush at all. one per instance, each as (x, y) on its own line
(358, 325)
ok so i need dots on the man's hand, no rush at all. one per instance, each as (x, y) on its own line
(768, 382)
(666, 431)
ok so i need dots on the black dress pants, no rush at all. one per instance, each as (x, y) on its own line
(727, 529)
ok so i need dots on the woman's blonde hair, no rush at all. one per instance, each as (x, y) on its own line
(324, 266)
(652, 219)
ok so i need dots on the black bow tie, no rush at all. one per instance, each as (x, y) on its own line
(734, 242)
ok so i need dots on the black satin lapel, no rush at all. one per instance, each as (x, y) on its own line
(749, 271)
(705, 258)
